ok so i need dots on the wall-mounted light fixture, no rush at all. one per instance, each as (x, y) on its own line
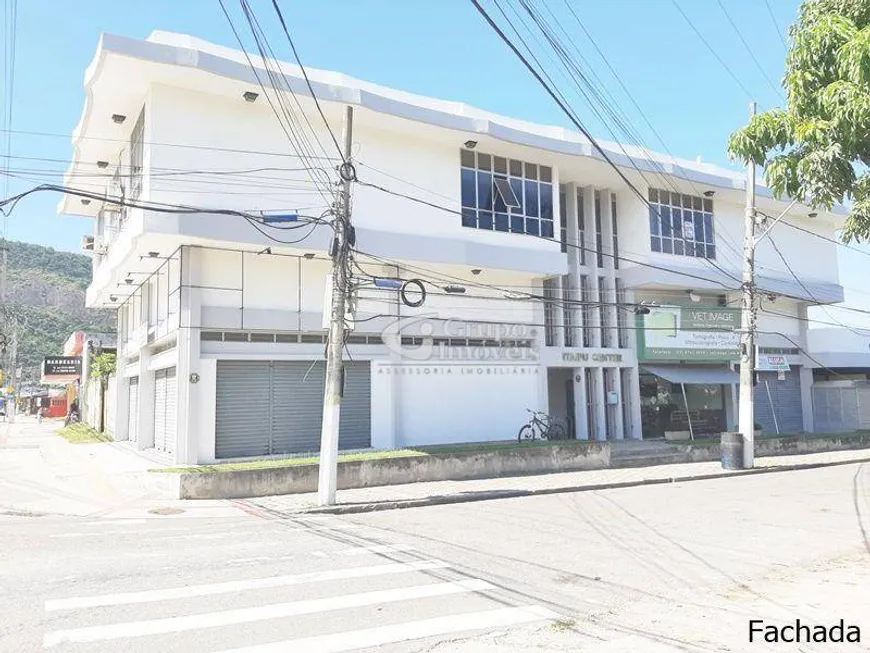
(250, 96)
(693, 296)
(85, 201)
(709, 193)
(309, 255)
(470, 144)
(118, 118)
(102, 164)
(812, 215)
(476, 271)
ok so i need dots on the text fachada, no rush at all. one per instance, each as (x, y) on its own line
(798, 632)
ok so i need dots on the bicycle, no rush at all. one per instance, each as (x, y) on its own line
(542, 427)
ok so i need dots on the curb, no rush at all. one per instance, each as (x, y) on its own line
(491, 495)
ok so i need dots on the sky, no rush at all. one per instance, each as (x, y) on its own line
(442, 49)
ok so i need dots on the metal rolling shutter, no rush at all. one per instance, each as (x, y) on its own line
(355, 431)
(133, 415)
(160, 410)
(243, 421)
(297, 405)
(786, 396)
(170, 413)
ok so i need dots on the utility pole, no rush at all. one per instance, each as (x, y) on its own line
(746, 411)
(328, 472)
(11, 407)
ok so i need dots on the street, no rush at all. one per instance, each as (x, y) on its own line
(680, 567)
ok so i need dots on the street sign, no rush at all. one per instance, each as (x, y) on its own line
(61, 369)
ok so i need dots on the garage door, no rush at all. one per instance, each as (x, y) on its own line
(781, 399)
(165, 402)
(133, 411)
(275, 407)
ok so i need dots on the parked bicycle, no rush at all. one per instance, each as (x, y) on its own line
(542, 427)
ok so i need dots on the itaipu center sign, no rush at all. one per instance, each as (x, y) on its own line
(687, 333)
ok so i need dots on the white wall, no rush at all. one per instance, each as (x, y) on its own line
(470, 404)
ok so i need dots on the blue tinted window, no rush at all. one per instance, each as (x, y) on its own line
(484, 191)
(547, 228)
(708, 228)
(667, 246)
(469, 218)
(469, 187)
(654, 221)
(699, 227)
(517, 186)
(501, 222)
(678, 247)
(666, 221)
(532, 198)
(546, 202)
(532, 226)
(656, 244)
(711, 251)
(677, 215)
(517, 224)
(484, 220)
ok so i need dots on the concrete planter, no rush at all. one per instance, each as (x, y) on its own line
(394, 471)
(676, 436)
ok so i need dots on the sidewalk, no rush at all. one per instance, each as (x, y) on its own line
(43, 474)
(442, 492)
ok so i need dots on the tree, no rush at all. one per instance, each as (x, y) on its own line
(817, 150)
(103, 366)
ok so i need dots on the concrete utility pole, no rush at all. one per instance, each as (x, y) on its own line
(328, 472)
(746, 411)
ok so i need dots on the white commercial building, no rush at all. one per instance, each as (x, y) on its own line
(221, 340)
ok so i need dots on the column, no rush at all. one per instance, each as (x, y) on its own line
(609, 266)
(146, 400)
(600, 405)
(618, 422)
(580, 415)
(636, 427)
(122, 403)
(594, 313)
(188, 373)
(574, 252)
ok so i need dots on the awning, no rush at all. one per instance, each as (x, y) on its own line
(694, 374)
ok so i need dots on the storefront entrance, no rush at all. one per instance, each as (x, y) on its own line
(684, 401)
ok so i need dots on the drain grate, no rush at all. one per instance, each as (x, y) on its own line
(166, 511)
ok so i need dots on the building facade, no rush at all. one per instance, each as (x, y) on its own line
(550, 284)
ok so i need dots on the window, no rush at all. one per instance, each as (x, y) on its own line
(604, 322)
(681, 224)
(615, 234)
(599, 237)
(500, 194)
(137, 155)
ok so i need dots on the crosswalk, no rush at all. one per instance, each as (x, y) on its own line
(357, 596)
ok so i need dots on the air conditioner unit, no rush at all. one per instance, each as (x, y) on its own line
(87, 243)
(722, 300)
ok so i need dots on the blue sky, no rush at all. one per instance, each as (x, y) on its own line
(447, 52)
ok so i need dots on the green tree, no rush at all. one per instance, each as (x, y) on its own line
(817, 150)
(103, 366)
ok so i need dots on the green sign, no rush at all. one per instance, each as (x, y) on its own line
(689, 333)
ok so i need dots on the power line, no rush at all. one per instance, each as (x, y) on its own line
(713, 51)
(776, 24)
(758, 65)
(307, 81)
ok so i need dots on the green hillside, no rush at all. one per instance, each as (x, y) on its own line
(46, 293)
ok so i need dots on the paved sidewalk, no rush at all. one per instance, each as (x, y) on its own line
(43, 474)
(440, 492)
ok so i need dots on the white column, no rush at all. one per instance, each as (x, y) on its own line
(609, 266)
(122, 403)
(383, 408)
(188, 372)
(600, 405)
(580, 415)
(574, 262)
(618, 422)
(146, 401)
(635, 429)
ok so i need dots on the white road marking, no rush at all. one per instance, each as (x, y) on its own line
(187, 591)
(369, 637)
(349, 552)
(260, 613)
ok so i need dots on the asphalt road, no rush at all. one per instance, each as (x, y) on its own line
(652, 569)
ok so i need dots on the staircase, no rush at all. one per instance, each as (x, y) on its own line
(644, 453)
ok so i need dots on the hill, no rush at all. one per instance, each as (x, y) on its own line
(46, 293)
